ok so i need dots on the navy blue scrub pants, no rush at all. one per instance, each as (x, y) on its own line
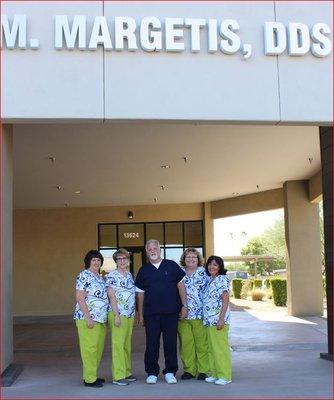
(154, 326)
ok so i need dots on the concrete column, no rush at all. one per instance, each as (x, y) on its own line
(326, 145)
(208, 230)
(302, 235)
(6, 245)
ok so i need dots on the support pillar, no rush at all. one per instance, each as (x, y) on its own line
(302, 235)
(326, 146)
(208, 230)
(6, 245)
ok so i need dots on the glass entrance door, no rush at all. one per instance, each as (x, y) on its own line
(137, 258)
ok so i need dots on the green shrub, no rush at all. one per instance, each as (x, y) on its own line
(278, 286)
(267, 283)
(237, 287)
(257, 283)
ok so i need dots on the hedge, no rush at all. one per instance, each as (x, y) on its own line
(267, 283)
(278, 286)
(237, 287)
(254, 283)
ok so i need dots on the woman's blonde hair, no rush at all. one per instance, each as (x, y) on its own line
(191, 250)
(119, 252)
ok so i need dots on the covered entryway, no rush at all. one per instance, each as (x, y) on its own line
(207, 117)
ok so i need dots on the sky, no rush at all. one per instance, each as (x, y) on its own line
(232, 233)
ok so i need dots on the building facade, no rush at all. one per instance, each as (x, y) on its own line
(127, 120)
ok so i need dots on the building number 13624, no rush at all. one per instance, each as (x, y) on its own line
(131, 235)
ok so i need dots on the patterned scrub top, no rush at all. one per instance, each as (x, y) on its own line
(195, 285)
(124, 288)
(96, 296)
(213, 302)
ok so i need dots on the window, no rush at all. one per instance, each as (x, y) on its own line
(174, 234)
(155, 231)
(107, 236)
(174, 237)
(131, 235)
(193, 234)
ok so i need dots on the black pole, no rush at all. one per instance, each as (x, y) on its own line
(326, 146)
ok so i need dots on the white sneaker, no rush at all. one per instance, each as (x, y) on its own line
(222, 381)
(210, 379)
(151, 379)
(170, 378)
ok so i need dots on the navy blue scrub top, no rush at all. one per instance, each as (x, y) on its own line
(160, 286)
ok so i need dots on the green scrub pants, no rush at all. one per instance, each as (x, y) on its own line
(91, 341)
(193, 346)
(120, 346)
(219, 352)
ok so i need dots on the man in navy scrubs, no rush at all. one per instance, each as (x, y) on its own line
(161, 301)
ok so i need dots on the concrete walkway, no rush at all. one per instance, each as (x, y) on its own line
(274, 356)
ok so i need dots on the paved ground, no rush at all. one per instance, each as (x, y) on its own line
(264, 305)
(274, 356)
(247, 305)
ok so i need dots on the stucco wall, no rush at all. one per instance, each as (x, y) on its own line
(49, 245)
(303, 250)
(255, 202)
(315, 188)
(96, 84)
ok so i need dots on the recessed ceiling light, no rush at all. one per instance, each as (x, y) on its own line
(235, 194)
(163, 187)
(185, 159)
(258, 187)
(310, 159)
(52, 159)
(58, 187)
(155, 199)
(165, 166)
(77, 192)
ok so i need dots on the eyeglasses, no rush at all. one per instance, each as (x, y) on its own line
(121, 259)
(191, 257)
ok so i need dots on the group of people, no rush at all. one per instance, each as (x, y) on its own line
(190, 302)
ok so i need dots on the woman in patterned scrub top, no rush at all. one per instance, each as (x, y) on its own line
(192, 333)
(90, 316)
(216, 318)
(121, 292)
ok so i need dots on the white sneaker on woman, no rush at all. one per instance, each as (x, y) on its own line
(151, 379)
(210, 379)
(170, 378)
(222, 381)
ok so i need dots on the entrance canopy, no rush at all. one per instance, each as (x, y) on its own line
(143, 163)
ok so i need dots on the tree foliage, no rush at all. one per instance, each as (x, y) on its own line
(271, 242)
(322, 235)
(273, 239)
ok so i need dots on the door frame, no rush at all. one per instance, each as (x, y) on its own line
(137, 249)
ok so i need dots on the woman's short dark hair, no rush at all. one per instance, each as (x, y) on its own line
(90, 255)
(219, 261)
